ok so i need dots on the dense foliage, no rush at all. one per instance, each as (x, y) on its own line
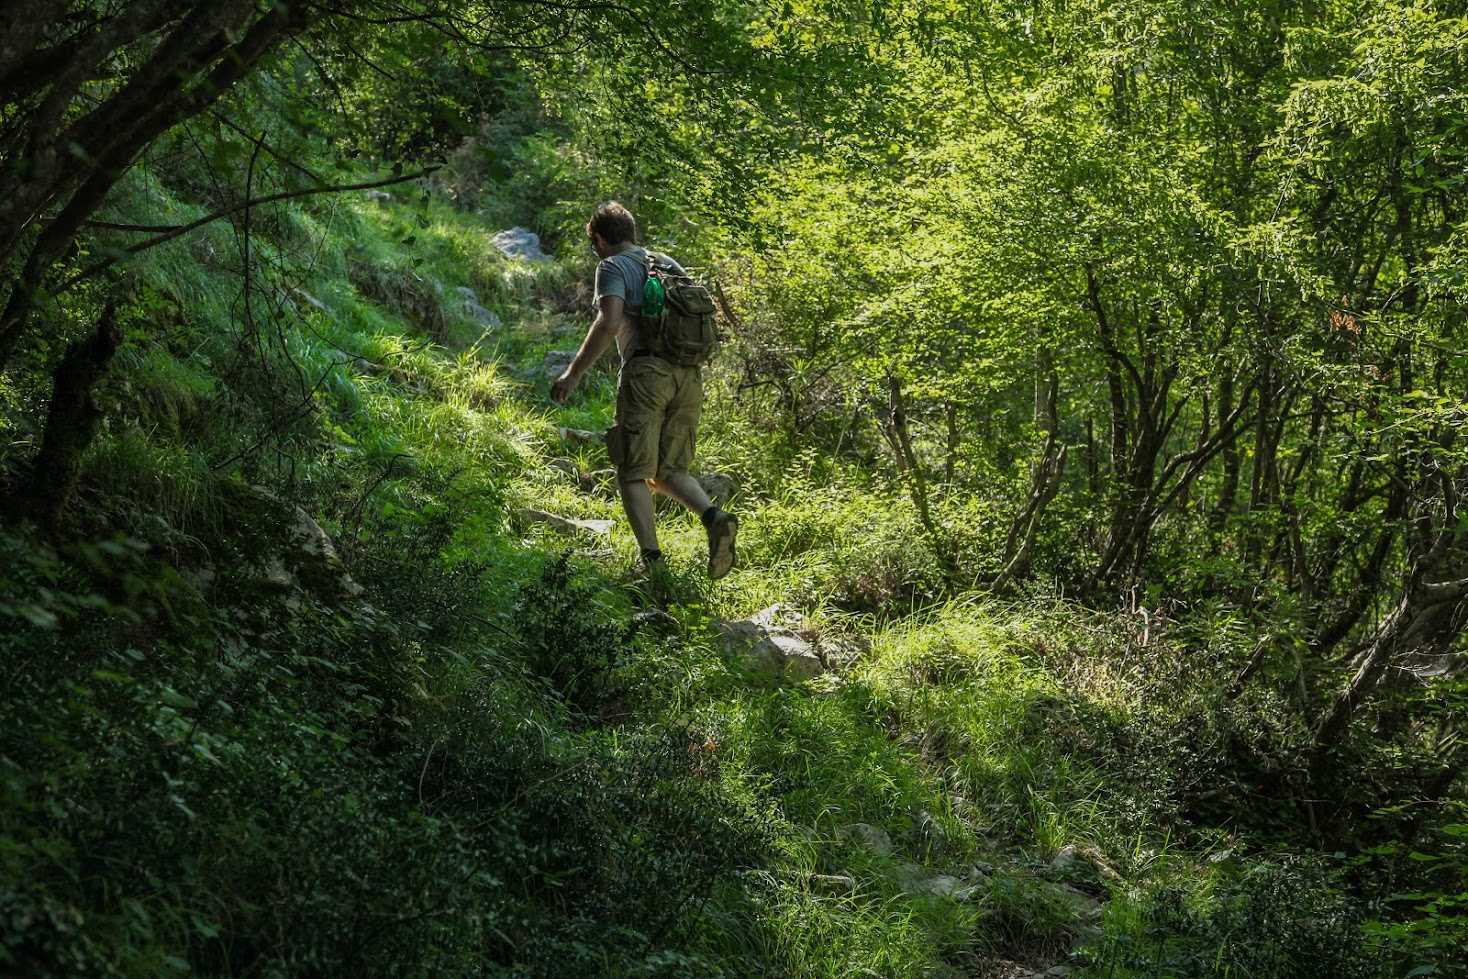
(1096, 392)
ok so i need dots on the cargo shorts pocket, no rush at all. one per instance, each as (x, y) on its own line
(616, 446)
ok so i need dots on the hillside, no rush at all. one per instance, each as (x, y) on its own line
(1091, 400)
(366, 717)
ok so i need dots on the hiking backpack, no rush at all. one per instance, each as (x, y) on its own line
(683, 332)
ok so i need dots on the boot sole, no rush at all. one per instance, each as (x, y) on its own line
(721, 549)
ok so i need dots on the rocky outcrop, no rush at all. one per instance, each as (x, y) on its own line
(764, 646)
(280, 548)
(521, 243)
(466, 304)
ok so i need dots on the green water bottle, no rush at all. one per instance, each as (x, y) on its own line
(653, 300)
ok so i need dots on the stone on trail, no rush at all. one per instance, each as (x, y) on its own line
(838, 885)
(297, 294)
(554, 364)
(915, 880)
(484, 317)
(720, 488)
(567, 525)
(770, 649)
(787, 657)
(520, 243)
(574, 435)
(869, 838)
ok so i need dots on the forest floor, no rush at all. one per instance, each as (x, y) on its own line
(394, 700)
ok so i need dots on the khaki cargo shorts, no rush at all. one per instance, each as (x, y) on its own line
(658, 407)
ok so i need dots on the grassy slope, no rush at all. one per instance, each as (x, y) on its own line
(476, 765)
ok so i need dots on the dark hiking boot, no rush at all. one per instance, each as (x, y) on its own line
(722, 528)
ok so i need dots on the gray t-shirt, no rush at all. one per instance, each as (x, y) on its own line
(623, 275)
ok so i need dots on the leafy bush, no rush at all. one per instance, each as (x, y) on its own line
(569, 636)
(1270, 920)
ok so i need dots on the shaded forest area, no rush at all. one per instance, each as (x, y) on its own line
(1095, 382)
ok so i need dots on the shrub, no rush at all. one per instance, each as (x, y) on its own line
(1268, 920)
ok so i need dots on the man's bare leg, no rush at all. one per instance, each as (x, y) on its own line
(721, 526)
(637, 504)
(683, 489)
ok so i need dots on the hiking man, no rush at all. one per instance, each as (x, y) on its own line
(652, 438)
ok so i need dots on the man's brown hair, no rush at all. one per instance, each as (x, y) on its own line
(613, 222)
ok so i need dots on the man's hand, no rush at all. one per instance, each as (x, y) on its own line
(599, 337)
(562, 387)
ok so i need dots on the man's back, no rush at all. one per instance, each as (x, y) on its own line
(622, 275)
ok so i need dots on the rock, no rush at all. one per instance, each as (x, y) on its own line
(840, 652)
(1065, 859)
(942, 885)
(827, 687)
(554, 364)
(778, 616)
(1085, 906)
(770, 648)
(566, 525)
(299, 295)
(574, 435)
(466, 294)
(868, 838)
(1076, 866)
(313, 540)
(272, 573)
(929, 833)
(720, 488)
(321, 566)
(520, 243)
(484, 317)
(565, 466)
(916, 880)
(1058, 970)
(657, 620)
(308, 559)
(839, 885)
(786, 657)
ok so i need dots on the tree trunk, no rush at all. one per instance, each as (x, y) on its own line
(907, 463)
(71, 423)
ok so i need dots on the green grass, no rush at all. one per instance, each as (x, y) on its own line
(614, 800)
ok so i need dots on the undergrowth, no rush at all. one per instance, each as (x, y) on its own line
(451, 741)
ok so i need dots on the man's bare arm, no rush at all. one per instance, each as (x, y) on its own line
(609, 319)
